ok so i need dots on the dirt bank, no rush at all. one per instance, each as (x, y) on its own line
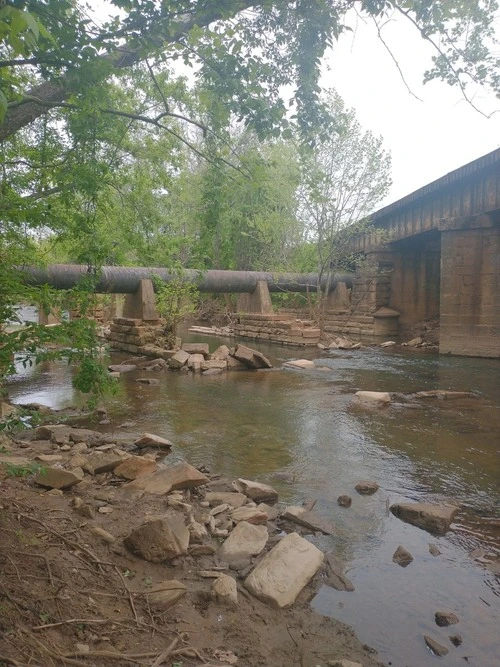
(71, 595)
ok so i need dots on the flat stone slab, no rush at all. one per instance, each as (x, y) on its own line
(376, 397)
(336, 576)
(134, 467)
(122, 368)
(245, 541)
(299, 363)
(56, 478)
(285, 571)
(215, 498)
(435, 519)
(251, 514)
(196, 348)
(152, 440)
(309, 520)
(166, 594)
(169, 478)
(99, 462)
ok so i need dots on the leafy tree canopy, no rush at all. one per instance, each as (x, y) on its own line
(53, 51)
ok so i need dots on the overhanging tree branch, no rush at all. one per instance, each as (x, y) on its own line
(52, 92)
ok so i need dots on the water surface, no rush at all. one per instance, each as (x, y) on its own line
(302, 432)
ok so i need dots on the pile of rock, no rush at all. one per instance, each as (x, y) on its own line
(197, 358)
(343, 343)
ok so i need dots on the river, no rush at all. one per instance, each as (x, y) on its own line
(302, 432)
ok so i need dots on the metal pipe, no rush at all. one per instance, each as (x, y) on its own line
(125, 280)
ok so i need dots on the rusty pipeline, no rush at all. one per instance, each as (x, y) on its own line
(125, 280)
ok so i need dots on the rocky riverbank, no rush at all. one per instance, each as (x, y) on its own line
(111, 556)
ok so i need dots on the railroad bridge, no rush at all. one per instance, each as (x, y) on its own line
(433, 256)
(436, 253)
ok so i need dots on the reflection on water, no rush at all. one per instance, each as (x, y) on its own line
(305, 424)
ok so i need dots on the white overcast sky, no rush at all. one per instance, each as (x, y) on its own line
(427, 138)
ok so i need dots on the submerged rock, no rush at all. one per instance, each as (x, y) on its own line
(374, 397)
(309, 520)
(435, 519)
(402, 557)
(434, 550)
(336, 576)
(299, 363)
(367, 488)
(445, 617)
(285, 571)
(344, 501)
(436, 648)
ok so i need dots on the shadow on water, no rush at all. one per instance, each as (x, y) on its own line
(302, 432)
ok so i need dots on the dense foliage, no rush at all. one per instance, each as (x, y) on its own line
(189, 133)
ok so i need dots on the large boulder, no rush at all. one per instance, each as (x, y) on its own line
(285, 571)
(169, 478)
(160, 539)
(261, 493)
(251, 358)
(245, 541)
(435, 519)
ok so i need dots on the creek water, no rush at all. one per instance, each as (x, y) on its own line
(302, 432)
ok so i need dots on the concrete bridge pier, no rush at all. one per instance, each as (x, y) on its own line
(470, 291)
(141, 304)
(258, 301)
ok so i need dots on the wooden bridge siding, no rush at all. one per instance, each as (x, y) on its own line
(454, 206)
